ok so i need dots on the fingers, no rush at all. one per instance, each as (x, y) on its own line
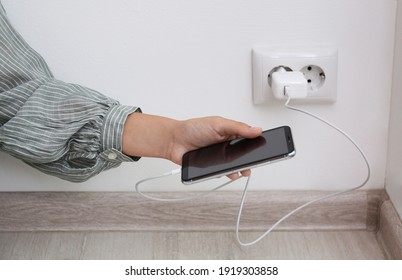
(231, 128)
(233, 176)
(244, 173)
(252, 132)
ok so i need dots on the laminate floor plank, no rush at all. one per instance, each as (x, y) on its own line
(130, 245)
(41, 245)
(343, 245)
(224, 245)
(189, 245)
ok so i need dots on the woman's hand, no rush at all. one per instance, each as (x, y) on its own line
(154, 136)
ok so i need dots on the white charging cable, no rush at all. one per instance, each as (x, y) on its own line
(137, 185)
(312, 201)
(173, 172)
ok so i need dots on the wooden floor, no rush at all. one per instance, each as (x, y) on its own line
(189, 245)
(361, 225)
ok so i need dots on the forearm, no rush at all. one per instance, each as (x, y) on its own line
(149, 136)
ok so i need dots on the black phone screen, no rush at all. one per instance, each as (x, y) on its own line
(237, 154)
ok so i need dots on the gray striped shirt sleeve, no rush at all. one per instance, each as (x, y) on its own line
(61, 129)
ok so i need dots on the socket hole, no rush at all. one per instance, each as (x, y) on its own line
(315, 77)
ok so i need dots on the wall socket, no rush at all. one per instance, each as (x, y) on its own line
(318, 64)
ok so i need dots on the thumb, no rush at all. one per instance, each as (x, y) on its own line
(250, 132)
(239, 129)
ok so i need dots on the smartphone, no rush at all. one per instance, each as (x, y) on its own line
(237, 155)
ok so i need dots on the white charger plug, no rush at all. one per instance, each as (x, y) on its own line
(286, 84)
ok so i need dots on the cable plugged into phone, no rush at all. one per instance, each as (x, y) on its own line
(286, 83)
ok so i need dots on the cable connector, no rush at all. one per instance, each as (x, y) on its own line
(173, 172)
(289, 84)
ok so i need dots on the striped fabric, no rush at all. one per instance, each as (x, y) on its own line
(62, 129)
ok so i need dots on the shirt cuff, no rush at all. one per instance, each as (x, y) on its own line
(112, 133)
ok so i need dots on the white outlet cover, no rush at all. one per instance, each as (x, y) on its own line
(266, 58)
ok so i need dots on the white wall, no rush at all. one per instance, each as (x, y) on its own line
(186, 59)
(394, 170)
